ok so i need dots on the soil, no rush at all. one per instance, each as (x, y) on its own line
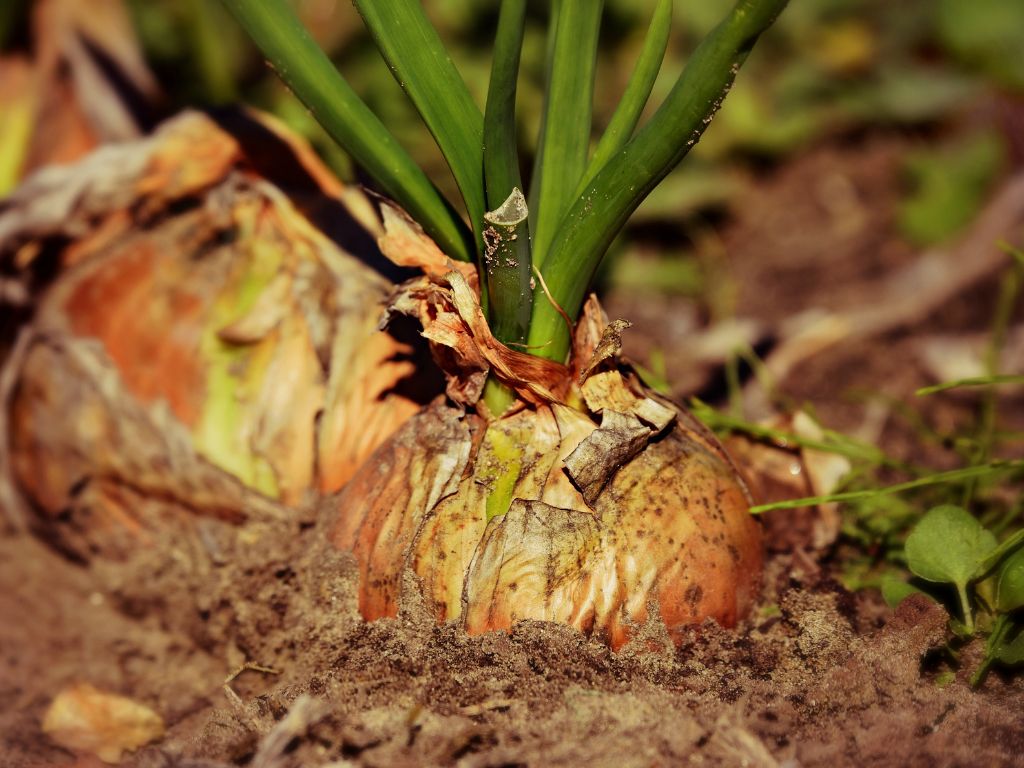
(817, 676)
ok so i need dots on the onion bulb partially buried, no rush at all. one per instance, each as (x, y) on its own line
(588, 503)
(204, 353)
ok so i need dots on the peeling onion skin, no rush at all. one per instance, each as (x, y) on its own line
(672, 526)
(203, 353)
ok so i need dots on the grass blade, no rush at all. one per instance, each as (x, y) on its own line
(638, 90)
(1009, 290)
(940, 478)
(421, 65)
(305, 69)
(565, 127)
(507, 239)
(833, 443)
(977, 381)
(1012, 542)
(596, 217)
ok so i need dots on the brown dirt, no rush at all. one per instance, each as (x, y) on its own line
(818, 677)
(817, 684)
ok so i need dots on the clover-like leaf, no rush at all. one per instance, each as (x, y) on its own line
(1010, 583)
(1012, 652)
(948, 546)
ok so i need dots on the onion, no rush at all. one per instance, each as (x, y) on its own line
(204, 349)
(592, 501)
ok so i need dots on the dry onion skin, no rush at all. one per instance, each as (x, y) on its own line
(589, 503)
(204, 349)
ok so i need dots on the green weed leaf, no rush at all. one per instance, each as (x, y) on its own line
(1012, 652)
(993, 558)
(950, 185)
(948, 546)
(1010, 583)
(420, 63)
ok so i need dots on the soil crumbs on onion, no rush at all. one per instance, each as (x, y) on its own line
(817, 677)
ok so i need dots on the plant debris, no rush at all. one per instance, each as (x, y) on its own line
(85, 719)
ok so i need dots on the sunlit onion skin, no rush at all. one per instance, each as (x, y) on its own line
(671, 526)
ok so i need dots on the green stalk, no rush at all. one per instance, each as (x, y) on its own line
(565, 128)
(638, 91)
(504, 259)
(309, 73)
(589, 227)
(1000, 630)
(1009, 289)
(421, 65)
(506, 233)
(965, 607)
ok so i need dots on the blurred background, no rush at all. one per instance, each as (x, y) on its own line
(859, 132)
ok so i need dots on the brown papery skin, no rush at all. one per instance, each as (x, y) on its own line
(672, 527)
(200, 347)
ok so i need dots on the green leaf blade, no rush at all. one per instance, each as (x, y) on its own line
(1012, 653)
(311, 76)
(974, 381)
(638, 91)
(1010, 583)
(594, 220)
(566, 123)
(948, 545)
(507, 264)
(939, 478)
(507, 253)
(419, 62)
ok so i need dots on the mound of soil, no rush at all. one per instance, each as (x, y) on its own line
(819, 679)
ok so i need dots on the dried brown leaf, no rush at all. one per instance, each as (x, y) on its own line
(594, 462)
(587, 333)
(407, 245)
(85, 61)
(18, 97)
(607, 348)
(778, 472)
(85, 719)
